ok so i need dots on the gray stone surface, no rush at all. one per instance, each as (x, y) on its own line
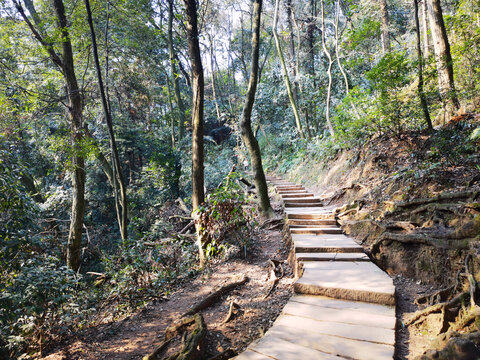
(358, 281)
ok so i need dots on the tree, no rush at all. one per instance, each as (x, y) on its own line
(421, 93)
(121, 203)
(74, 110)
(173, 69)
(385, 32)
(198, 193)
(327, 53)
(443, 58)
(285, 73)
(245, 121)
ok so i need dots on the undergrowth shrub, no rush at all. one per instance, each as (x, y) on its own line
(226, 217)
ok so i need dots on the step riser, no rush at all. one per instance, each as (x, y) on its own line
(310, 217)
(310, 226)
(323, 231)
(311, 222)
(289, 205)
(288, 196)
(302, 201)
(328, 249)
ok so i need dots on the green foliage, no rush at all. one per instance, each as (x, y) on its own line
(226, 217)
(37, 302)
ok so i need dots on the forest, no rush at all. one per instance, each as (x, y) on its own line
(137, 138)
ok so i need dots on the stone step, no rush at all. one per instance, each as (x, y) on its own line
(315, 230)
(296, 214)
(297, 226)
(292, 192)
(331, 256)
(299, 195)
(332, 344)
(307, 200)
(357, 281)
(273, 347)
(292, 205)
(309, 222)
(325, 243)
(323, 301)
(290, 188)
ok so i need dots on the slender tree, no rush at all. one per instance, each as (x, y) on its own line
(426, 37)
(327, 53)
(421, 93)
(443, 58)
(385, 21)
(285, 73)
(173, 69)
(245, 121)
(121, 203)
(65, 64)
(198, 192)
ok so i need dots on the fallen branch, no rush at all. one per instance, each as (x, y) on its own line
(183, 206)
(180, 217)
(188, 226)
(213, 297)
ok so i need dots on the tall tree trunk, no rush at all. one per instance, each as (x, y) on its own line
(421, 93)
(285, 73)
(75, 109)
(198, 193)
(245, 121)
(385, 32)
(214, 88)
(173, 69)
(329, 71)
(291, 49)
(338, 34)
(426, 37)
(443, 58)
(122, 203)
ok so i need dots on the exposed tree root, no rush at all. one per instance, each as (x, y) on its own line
(159, 349)
(173, 330)
(213, 297)
(225, 355)
(192, 344)
(273, 275)
(436, 297)
(441, 243)
(437, 207)
(421, 314)
(440, 197)
(231, 311)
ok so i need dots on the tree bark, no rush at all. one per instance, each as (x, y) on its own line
(173, 69)
(198, 193)
(285, 73)
(291, 48)
(75, 109)
(329, 71)
(385, 32)
(426, 37)
(421, 93)
(121, 204)
(245, 121)
(443, 58)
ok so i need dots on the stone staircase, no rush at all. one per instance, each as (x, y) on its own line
(343, 307)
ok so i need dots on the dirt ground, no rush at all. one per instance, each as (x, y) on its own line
(138, 335)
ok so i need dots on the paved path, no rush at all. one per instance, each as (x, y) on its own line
(343, 307)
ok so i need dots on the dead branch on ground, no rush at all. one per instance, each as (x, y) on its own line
(213, 297)
(231, 311)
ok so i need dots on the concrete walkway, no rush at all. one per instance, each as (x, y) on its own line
(343, 305)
